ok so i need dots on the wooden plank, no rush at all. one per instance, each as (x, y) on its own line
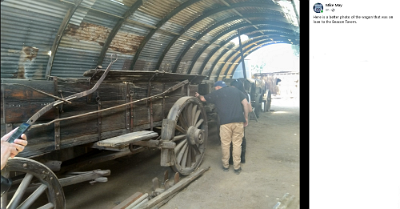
(180, 185)
(128, 201)
(18, 112)
(127, 138)
(23, 93)
(134, 76)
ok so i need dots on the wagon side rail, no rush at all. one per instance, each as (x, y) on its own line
(157, 96)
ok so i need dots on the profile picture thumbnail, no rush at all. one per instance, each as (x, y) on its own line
(318, 8)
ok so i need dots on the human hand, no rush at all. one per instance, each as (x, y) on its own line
(196, 94)
(246, 123)
(11, 149)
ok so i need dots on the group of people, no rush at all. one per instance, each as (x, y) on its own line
(233, 107)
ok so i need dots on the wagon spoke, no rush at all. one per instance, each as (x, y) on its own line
(183, 121)
(196, 117)
(179, 137)
(47, 206)
(34, 196)
(20, 191)
(198, 124)
(193, 115)
(179, 146)
(185, 154)
(194, 155)
(189, 114)
(195, 148)
(189, 158)
(180, 129)
(181, 152)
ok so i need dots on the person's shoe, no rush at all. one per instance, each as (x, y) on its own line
(238, 171)
(225, 169)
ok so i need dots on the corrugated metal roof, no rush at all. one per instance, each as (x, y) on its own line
(157, 29)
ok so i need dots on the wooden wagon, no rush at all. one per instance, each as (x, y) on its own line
(129, 111)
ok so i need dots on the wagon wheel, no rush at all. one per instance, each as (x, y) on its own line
(27, 176)
(191, 134)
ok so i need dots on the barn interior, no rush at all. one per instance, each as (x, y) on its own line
(102, 82)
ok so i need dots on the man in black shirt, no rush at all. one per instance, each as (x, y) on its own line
(229, 101)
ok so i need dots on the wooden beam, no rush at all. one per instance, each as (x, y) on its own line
(177, 187)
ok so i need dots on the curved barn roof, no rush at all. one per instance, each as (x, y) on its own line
(68, 37)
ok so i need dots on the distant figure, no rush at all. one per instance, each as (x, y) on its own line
(229, 101)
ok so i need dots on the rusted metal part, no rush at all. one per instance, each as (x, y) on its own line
(157, 96)
(150, 103)
(60, 34)
(99, 116)
(163, 103)
(40, 91)
(127, 109)
(57, 133)
(74, 96)
(131, 109)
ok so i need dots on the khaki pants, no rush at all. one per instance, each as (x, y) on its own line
(231, 132)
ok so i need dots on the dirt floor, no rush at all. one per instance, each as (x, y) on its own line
(271, 170)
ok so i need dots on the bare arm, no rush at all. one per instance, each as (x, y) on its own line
(246, 111)
(249, 106)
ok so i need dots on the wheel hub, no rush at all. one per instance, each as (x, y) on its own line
(195, 136)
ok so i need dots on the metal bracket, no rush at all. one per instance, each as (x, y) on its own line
(57, 132)
(99, 115)
(127, 109)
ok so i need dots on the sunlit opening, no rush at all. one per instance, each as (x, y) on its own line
(236, 40)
